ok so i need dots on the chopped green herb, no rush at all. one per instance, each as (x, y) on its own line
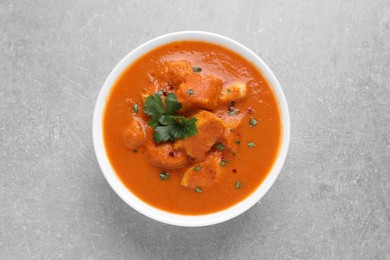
(190, 92)
(196, 69)
(135, 151)
(164, 176)
(197, 189)
(229, 91)
(251, 144)
(160, 92)
(197, 168)
(224, 162)
(237, 142)
(167, 126)
(238, 184)
(233, 112)
(220, 146)
(252, 122)
(135, 108)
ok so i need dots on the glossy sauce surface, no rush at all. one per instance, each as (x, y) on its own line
(249, 166)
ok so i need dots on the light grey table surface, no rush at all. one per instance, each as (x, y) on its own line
(332, 199)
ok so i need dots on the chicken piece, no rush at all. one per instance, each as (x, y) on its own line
(163, 155)
(178, 71)
(231, 134)
(235, 92)
(199, 92)
(203, 174)
(210, 130)
(133, 135)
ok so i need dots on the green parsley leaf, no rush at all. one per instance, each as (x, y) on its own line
(187, 127)
(135, 151)
(238, 185)
(190, 92)
(252, 122)
(251, 144)
(135, 108)
(229, 91)
(220, 146)
(197, 168)
(167, 126)
(154, 106)
(197, 189)
(237, 142)
(232, 104)
(167, 120)
(162, 134)
(164, 176)
(196, 69)
(172, 128)
(154, 122)
(172, 104)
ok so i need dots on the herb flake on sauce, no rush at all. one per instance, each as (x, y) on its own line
(224, 162)
(251, 144)
(220, 146)
(232, 110)
(196, 69)
(135, 108)
(252, 122)
(164, 176)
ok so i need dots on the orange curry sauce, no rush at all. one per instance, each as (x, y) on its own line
(249, 166)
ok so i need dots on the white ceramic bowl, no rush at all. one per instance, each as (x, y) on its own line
(160, 215)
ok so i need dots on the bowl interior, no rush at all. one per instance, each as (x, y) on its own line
(167, 217)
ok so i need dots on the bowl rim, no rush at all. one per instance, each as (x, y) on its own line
(167, 217)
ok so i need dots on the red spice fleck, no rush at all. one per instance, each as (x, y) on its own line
(250, 110)
(171, 153)
(234, 171)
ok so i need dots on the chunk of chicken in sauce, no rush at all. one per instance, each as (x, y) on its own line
(163, 155)
(235, 92)
(172, 74)
(199, 92)
(203, 174)
(210, 130)
(231, 135)
(133, 135)
(178, 71)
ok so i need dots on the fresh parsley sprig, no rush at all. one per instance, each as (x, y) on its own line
(167, 125)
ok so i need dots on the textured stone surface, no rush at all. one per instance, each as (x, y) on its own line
(332, 199)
